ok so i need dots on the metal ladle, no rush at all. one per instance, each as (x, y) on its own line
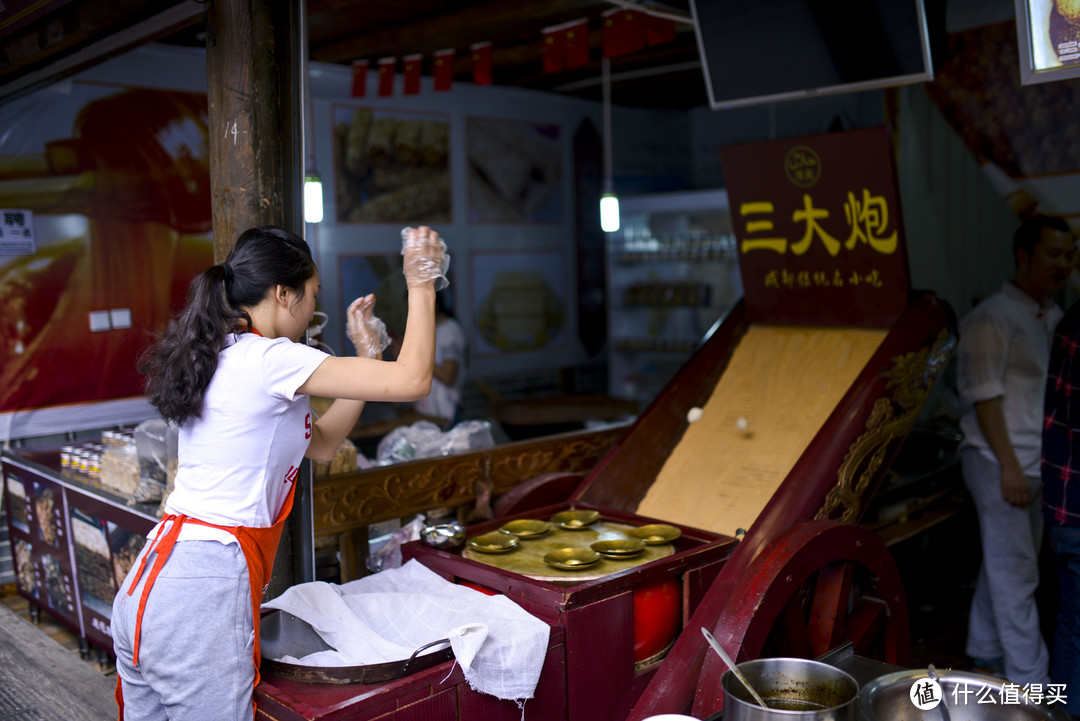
(731, 664)
(932, 673)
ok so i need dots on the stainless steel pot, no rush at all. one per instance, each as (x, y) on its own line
(795, 689)
(888, 698)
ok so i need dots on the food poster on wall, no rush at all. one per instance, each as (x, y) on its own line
(514, 171)
(106, 540)
(391, 166)
(20, 514)
(520, 300)
(1054, 33)
(818, 224)
(39, 539)
(96, 581)
(116, 183)
(1025, 137)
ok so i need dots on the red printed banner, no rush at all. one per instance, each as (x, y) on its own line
(444, 69)
(566, 46)
(387, 66)
(412, 73)
(359, 78)
(658, 30)
(623, 32)
(817, 221)
(481, 63)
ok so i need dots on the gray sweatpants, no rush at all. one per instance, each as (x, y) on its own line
(195, 652)
(1004, 620)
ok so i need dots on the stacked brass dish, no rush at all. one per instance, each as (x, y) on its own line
(656, 533)
(619, 548)
(526, 528)
(496, 542)
(571, 559)
(575, 520)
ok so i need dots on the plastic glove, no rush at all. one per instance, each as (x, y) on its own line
(426, 258)
(367, 333)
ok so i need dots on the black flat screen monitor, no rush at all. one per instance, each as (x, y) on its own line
(763, 51)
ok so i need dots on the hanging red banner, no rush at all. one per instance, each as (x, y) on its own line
(386, 76)
(623, 33)
(481, 63)
(566, 46)
(444, 69)
(552, 51)
(412, 73)
(359, 78)
(658, 30)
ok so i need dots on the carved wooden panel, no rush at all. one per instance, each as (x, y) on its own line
(379, 494)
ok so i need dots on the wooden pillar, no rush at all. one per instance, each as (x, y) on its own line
(256, 66)
(253, 67)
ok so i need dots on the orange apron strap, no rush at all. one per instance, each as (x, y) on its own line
(153, 542)
(260, 547)
(119, 696)
(163, 548)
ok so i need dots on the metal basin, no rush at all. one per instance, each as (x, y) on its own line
(889, 698)
(795, 689)
(282, 634)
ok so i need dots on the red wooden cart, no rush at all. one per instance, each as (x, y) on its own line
(627, 644)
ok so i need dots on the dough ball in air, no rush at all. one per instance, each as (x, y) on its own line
(741, 424)
(693, 415)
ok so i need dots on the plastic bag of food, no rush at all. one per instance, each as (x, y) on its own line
(156, 444)
(424, 439)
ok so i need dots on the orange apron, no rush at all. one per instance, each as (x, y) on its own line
(259, 546)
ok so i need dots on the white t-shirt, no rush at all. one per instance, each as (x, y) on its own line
(238, 460)
(443, 400)
(1004, 351)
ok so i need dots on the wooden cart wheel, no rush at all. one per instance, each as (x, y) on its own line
(818, 585)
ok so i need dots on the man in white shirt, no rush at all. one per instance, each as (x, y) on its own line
(1002, 362)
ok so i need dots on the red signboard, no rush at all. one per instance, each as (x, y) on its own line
(819, 230)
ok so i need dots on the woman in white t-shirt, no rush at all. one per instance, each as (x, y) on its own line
(232, 372)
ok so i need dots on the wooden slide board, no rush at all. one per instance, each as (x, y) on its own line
(784, 381)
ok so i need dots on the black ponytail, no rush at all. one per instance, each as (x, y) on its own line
(179, 365)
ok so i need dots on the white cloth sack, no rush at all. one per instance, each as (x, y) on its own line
(385, 617)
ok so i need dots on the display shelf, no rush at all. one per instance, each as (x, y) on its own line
(672, 273)
(72, 541)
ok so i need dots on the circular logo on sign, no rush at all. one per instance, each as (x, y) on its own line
(925, 694)
(802, 166)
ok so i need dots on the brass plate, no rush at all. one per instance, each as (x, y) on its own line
(570, 559)
(656, 533)
(575, 520)
(528, 558)
(496, 542)
(621, 548)
(526, 528)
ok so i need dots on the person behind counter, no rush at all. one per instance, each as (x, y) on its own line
(232, 372)
(444, 401)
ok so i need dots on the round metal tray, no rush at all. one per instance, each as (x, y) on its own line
(283, 634)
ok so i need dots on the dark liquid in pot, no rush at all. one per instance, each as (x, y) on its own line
(792, 704)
